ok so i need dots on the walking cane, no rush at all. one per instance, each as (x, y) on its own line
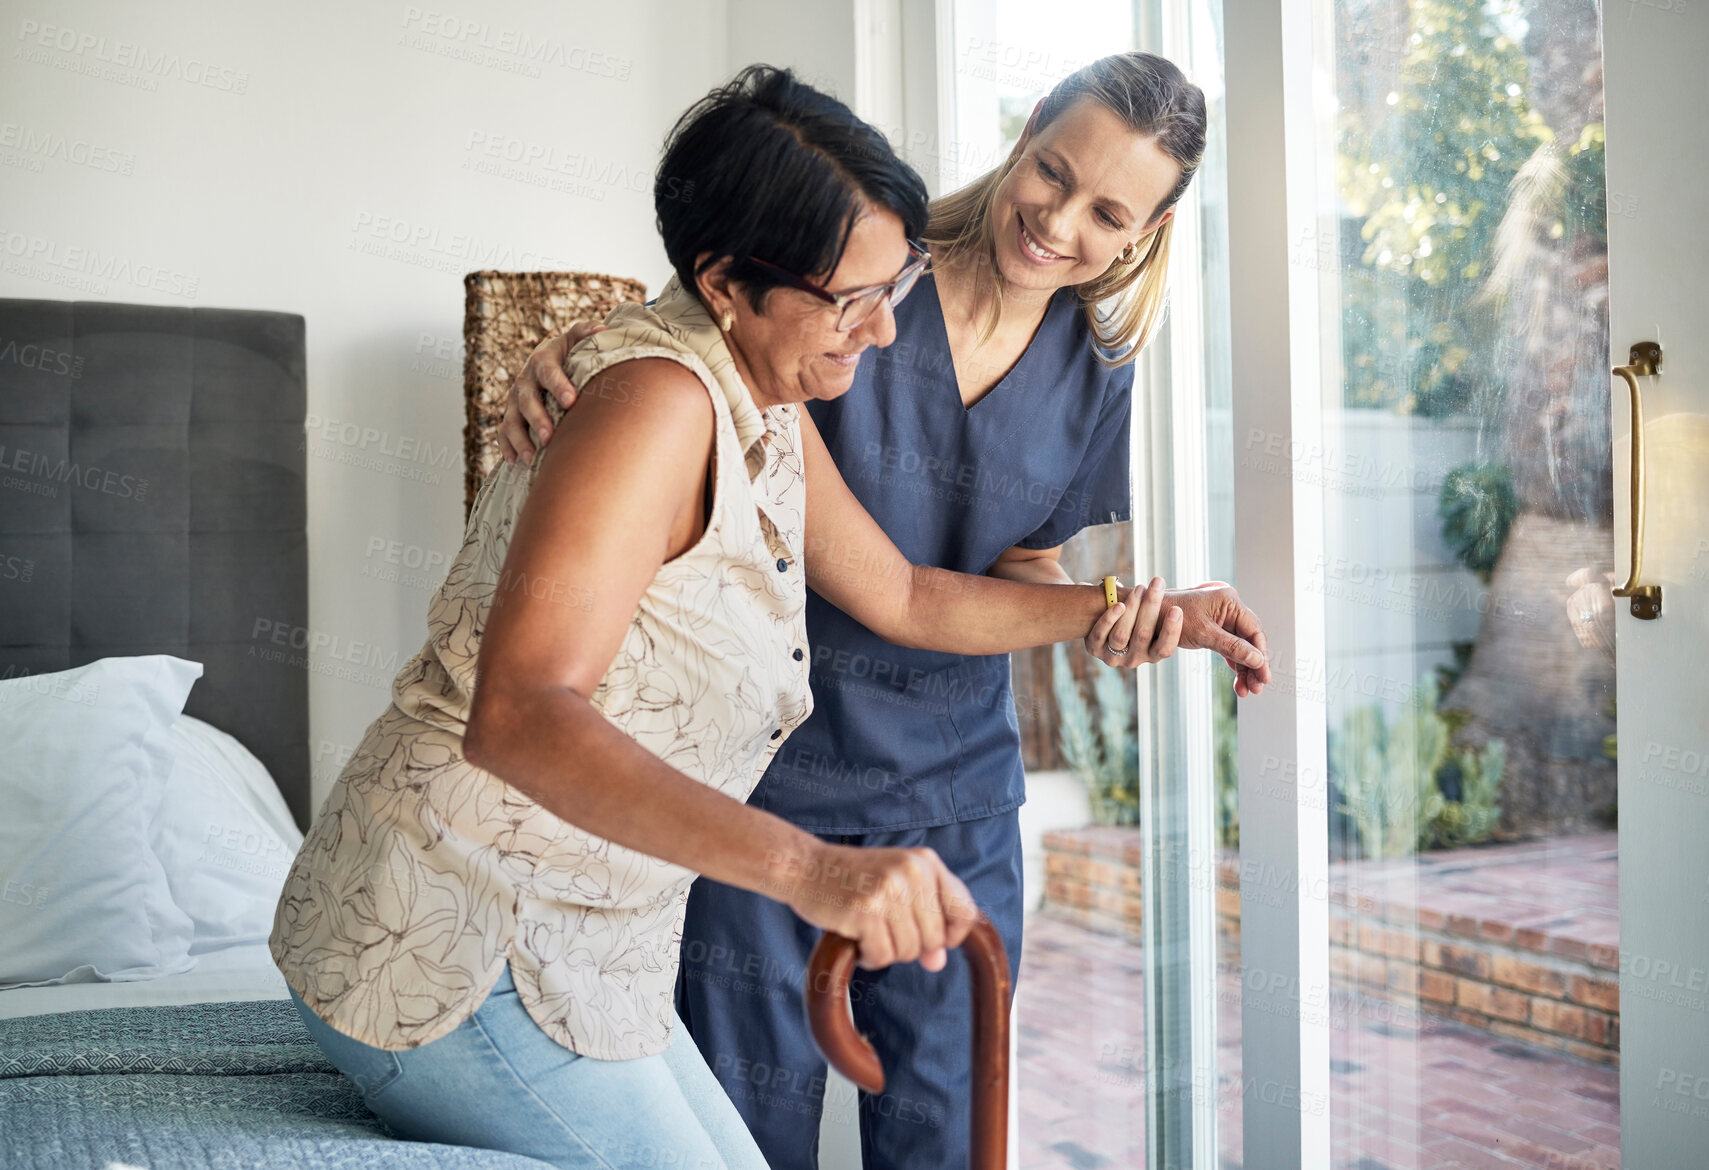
(848, 1052)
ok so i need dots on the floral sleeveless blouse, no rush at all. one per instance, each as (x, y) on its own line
(423, 874)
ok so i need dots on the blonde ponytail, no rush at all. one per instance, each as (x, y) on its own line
(1125, 305)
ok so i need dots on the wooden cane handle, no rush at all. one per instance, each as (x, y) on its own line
(833, 1028)
(848, 1052)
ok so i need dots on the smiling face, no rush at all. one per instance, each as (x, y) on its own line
(1080, 192)
(792, 351)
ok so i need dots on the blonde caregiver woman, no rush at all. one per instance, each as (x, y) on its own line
(481, 928)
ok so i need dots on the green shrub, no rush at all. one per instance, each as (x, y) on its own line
(1477, 507)
(1475, 815)
(1390, 778)
(1104, 755)
(1387, 775)
(1584, 206)
(1223, 728)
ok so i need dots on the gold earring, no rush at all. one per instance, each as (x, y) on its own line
(1128, 253)
(727, 320)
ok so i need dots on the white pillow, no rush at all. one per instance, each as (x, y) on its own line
(225, 837)
(86, 756)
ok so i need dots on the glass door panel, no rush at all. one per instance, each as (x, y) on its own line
(1468, 553)
(1461, 692)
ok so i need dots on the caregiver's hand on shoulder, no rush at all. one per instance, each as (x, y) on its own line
(899, 905)
(542, 374)
(1136, 630)
(1214, 619)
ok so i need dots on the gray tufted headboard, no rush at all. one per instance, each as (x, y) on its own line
(152, 501)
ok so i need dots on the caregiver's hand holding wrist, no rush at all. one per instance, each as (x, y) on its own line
(1138, 630)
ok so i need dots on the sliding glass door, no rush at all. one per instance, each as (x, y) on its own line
(1432, 492)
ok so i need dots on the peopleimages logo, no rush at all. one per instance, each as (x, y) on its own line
(512, 50)
(87, 269)
(33, 355)
(884, 463)
(425, 245)
(572, 172)
(408, 448)
(71, 687)
(26, 894)
(40, 474)
(372, 449)
(91, 53)
(39, 146)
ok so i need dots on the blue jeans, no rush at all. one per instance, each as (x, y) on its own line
(500, 1083)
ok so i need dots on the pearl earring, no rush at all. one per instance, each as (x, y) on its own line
(727, 320)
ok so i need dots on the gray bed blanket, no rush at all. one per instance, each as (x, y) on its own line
(201, 1087)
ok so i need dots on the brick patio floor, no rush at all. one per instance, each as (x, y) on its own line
(1415, 1093)
(1521, 940)
(1559, 896)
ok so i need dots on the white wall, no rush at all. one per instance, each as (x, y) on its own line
(816, 38)
(1394, 612)
(318, 135)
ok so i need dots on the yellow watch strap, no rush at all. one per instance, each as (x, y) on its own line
(1110, 594)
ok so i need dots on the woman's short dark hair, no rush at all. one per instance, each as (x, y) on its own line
(768, 166)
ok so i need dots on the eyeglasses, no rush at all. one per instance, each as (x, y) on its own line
(855, 307)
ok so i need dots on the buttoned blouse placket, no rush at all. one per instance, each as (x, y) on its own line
(764, 455)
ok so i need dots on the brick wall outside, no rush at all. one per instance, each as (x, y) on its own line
(1555, 992)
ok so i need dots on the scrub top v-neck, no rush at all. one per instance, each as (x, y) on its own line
(902, 738)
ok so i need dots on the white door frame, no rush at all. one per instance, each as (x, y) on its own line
(1279, 533)
(1658, 252)
(1172, 526)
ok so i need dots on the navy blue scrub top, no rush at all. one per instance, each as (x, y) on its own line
(903, 738)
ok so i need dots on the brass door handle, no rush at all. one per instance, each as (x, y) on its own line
(1645, 362)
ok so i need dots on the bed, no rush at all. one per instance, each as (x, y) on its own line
(152, 556)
